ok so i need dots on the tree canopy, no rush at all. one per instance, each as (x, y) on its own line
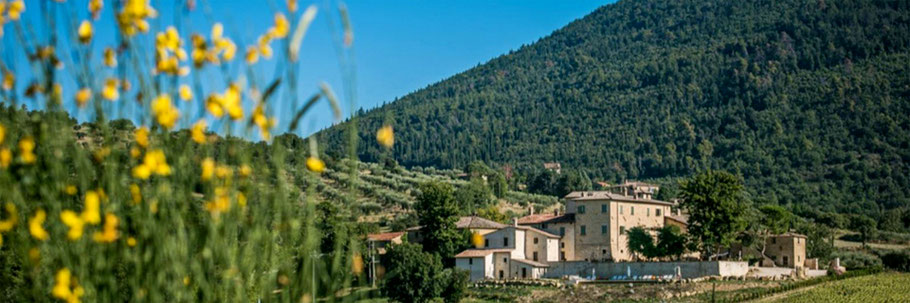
(715, 203)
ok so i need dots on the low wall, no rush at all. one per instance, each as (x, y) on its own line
(688, 269)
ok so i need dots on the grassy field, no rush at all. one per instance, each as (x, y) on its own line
(883, 287)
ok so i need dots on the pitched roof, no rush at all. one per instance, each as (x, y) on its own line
(536, 218)
(684, 219)
(474, 253)
(385, 236)
(546, 234)
(532, 263)
(477, 222)
(605, 195)
(790, 234)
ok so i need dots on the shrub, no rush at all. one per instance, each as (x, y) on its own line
(857, 259)
(897, 260)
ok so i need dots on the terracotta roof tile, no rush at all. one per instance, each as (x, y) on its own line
(474, 253)
(384, 236)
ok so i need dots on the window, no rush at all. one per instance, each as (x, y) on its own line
(562, 231)
(535, 256)
(622, 229)
(505, 241)
(535, 240)
(562, 256)
(562, 244)
(543, 226)
(581, 209)
(773, 240)
(603, 208)
(632, 210)
(582, 230)
(505, 260)
(620, 209)
(603, 252)
(603, 229)
(486, 242)
(470, 261)
(657, 212)
(647, 211)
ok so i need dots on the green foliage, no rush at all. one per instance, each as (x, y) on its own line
(413, 275)
(864, 225)
(715, 203)
(640, 242)
(548, 182)
(456, 284)
(671, 242)
(438, 214)
(806, 100)
(897, 260)
(473, 196)
(856, 259)
(819, 240)
(492, 213)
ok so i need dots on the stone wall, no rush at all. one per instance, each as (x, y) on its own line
(607, 270)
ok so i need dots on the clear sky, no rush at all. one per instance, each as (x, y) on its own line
(399, 45)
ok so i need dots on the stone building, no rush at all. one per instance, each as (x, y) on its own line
(787, 250)
(602, 218)
(512, 252)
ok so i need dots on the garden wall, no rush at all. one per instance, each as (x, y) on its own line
(607, 270)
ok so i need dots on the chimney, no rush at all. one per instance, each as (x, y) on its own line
(531, 210)
(515, 222)
(678, 211)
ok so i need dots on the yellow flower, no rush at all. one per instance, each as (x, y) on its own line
(132, 17)
(109, 233)
(131, 242)
(70, 190)
(153, 162)
(142, 136)
(26, 150)
(477, 240)
(94, 7)
(222, 171)
(6, 156)
(76, 224)
(66, 288)
(2, 133)
(241, 199)
(35, 225)
(245, 170)
(15, 9)
(110, 58)
(82, 96)
(85, 32)
(8, 80)
(282, 26)
(252, 55)
(198, 132)
(220, 204)
(213, 105)
(92, 212)
(208, 169)
(292, 5)
(135, 153)
(186, 94)
(232, 102)
(357, 264)
(136, 193)
(110, 91)
(164, 111)
(11, 220)
(34, 255)
(385, 136)
(186, 280)
(315, 165)
(142, 172)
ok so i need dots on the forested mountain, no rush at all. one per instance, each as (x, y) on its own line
(809, 101)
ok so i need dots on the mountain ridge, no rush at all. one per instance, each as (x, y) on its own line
(806, 100)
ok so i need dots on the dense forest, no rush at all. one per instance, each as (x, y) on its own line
(808, 101)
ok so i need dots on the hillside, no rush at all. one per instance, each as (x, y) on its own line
(807, 100)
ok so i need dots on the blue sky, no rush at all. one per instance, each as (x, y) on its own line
(399, 45)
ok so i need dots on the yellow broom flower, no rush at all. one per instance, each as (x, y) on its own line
(282, 26)
(164, 111)
(252, 55)
(75, 224)
(109, 233)
(110, 58)
(186, 94)
(315, 165)
(208, 169)
(8, 80)
(82, 96)
(11, 220)
(385, 136)
(136, 193)
(142, 136)
(15, 9)
(110, 91)
(94, 7)
(2, 133)
(198, 132)
(66, 288)
(6, 156)
(35, 225)
(85, 32)
(91, 214)
(26, 150)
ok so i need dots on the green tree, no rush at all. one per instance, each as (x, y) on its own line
(864, 225)
(437, 213)
(819, 240)
(456, 282)
(640, 242)
(413, 275)
(473, 196)
(772, 220)
(715, 203)
(671, 242)
(492, 213)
